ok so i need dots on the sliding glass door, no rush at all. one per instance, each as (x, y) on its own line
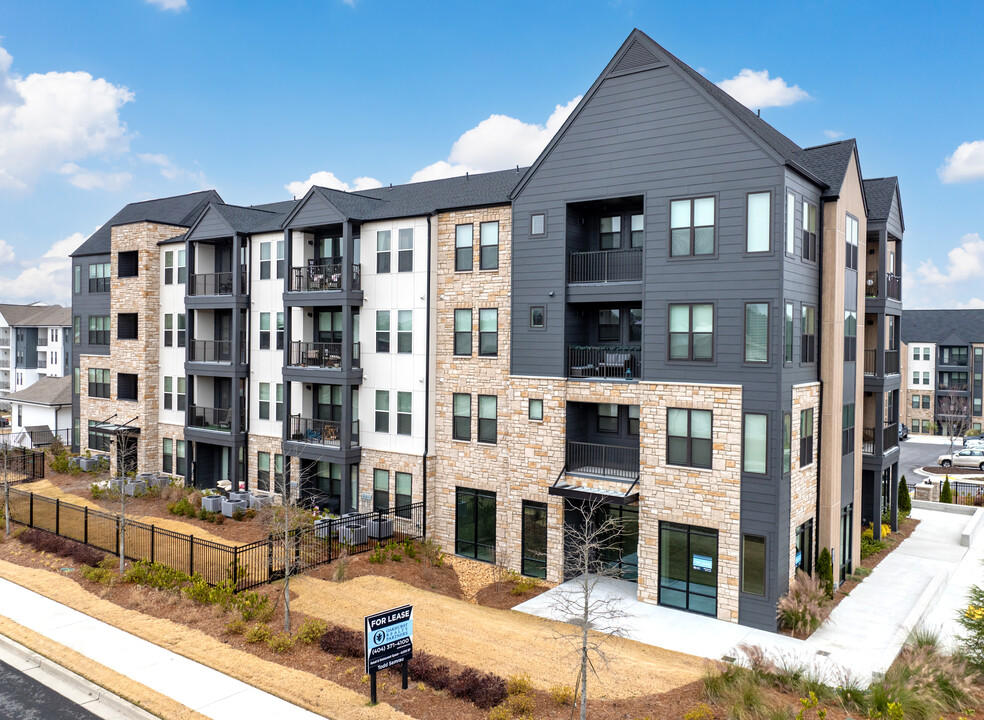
(688, 568)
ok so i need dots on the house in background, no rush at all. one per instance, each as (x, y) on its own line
(35, 342)
(40, 412)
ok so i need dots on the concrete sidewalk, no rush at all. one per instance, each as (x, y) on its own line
(207, 691)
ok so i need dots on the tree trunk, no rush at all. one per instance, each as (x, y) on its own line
(122, 537)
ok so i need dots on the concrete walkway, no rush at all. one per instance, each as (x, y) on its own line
(192, 684)
(922, 582)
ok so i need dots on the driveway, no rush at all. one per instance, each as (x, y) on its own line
(916, 452)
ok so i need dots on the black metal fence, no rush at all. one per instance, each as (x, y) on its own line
(604, 460)
(603, 361)
(22, 464)
(968, 494)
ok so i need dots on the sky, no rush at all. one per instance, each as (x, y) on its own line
(106, 102)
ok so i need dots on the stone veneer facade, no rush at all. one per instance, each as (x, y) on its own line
(392, 462)
(802, 480)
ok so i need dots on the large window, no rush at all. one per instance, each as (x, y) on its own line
(757, 235)
(463, 247)
(98, 383)
(168, 330)
(168, 267)
(475, 524)
(790, 223)
(488, 331)
(167, 455)
(382, 411)
(380, 489)
(404, 413)
(99, 330)
(808, 334)
(847, 429)
(461, 428)
(264, 331)
(77, 329)
(263, 471)
(179, 452)
(264, 261)
(692, 332)
(846, 523)
(383, 251)
(607, 418)
(181, 330)
(264, 401)
(688, 560)
(756, 332)
(382, 331)
(489, 250)
(851, 239)
(804, 547)
(850, 336)
(179, 400)
(99, 436)
(281, 261)
(609, 325)
(77, 281)
(688, 437)
(405, 259)
(806, 437)
(99, 278)
(279, 403)
(404, 331)
(756, 443)
(610, 233)
(404, 494)
(534, 550)
(463, 332)
(487, 419)
(809, 231)
(787, 442)
(753, 564)
(787, 334)
(692, 227)
(280, 331)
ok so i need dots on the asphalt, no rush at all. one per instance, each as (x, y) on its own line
(914, 453)
(24, 698)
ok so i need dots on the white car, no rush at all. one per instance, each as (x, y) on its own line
(968, 457)
(974, 441)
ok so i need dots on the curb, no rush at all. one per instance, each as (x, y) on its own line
(94, 692)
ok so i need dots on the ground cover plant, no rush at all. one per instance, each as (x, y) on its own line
(57, 545)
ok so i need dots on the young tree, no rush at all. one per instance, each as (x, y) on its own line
(5, 451)
(592, 538)
(905, 501)
(126, 455)
(953, 416)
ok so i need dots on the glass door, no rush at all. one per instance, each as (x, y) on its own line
(622, 551)
(688, 568)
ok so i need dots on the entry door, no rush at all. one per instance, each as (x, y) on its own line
(688, 568)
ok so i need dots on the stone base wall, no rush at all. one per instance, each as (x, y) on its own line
(913, 414)
(175, 433)
(392, 462)
(803, 481)
(257, 444)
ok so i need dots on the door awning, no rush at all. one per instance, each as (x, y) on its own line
(590, 494)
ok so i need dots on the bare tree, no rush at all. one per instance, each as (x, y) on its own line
(126, 453)
(5, 450)
(953, 416)
(590, 543)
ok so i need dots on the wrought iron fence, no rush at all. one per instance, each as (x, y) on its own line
(968, 494)
(22, 463)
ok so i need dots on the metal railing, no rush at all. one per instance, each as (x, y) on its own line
(23, 464)
(893, 285)
(319, 278)
(891, 362)
(318, 432)
(868, 441)
(210, 418)
(611, 361)
(869, 362)
(601, 266)
(214, 283)
(210, 351)
(605, 460)
(320, 355)
(968, 494)
(5, 363)
(890, 437)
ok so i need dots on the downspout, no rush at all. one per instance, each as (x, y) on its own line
(816, 534)
(427, 374)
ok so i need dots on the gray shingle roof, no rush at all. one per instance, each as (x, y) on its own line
(180, 210)
(249, 220)
(880, 193)
(829, 163)
(36, 315)
(46, 391)
(421, 198)
(934, 325)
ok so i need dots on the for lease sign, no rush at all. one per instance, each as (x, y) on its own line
(389, 638)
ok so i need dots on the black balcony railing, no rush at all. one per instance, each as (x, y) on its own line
(609, 361)
(214, 283)
(320, 355)
(868, 441)
(601, 266)
(893, 284)
(217, 351)
(869, 362)
(320, 432)
(319, 278)
(605, 460)
(210, 418)
(890, 437)
(891, 362)
(871, 284)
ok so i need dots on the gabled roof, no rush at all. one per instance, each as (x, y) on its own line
(936, 325)
(829, 163)
(16, 314)
(36, 315)
(881, 192)
(46, 391)
(181, 210)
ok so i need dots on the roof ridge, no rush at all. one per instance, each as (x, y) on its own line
(831, 144)
(172, 197)
(522, 169)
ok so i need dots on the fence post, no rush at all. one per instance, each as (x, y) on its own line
(235, 566)
(85, 524)
(31, 517)
(117, 534)
(57, 516)
(152, 543)
(191, 554)
(270, 558)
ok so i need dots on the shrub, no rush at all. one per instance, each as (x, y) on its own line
(521, 704)
(431, 552)
(96, 491)
(946, 494)
(870, 546)
(56, 545)
(258, 634)
(198, 590)
(524, 585)
(341, 641)
(238, 514)
(972, 621)
(182, 508)
(484, 690)
(905, 501)
(378, 556)
(224, 595)
(253, 606)
(825, 572)
(311, 630)
(500, 713)
(424, 668)
(562, 695)
(341, 569)
(155, 575)
(280, 643)
(699, 712)
(100, 575)
(519, 685)
(236, 626)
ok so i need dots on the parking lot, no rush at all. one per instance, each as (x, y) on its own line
(915, 453)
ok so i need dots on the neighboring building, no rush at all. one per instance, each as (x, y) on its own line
(41, 411)
(35, 343)
(661, 314)
(945, 351)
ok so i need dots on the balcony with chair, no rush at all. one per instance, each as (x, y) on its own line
(215, 279)
(208, 418)
(604, 362)
(607, 341)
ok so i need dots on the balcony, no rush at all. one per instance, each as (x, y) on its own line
(609, 461)
(320, 355)
(869, 362)
(210, 351)
(206, 418)
(893, 285)
(890, 437)
(214, 283)
(868, 441)
(4, 363)
(322, 278)
(584, 361)
(327, 433)
(891, 362)
(605, 266)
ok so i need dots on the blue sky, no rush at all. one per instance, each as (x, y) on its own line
(111, 101)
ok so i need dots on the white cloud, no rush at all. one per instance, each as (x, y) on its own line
(173, 5)
(755, 89)
(46, 278)
(172, 172)
(964, 262)
(50, 119)
(496, 143)
(94, 179)
(965, 164)
(972, 304)
(6, 252)
(323, 178)
(833, 134)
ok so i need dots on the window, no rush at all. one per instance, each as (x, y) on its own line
(757, 237)
(99, 278)
(637, 231)
(180, 399)
(76, 383)
(487, 423)
(463, 250)
(787, 335)
(850, 336)
(538, 224)
(753, 564)
(76, 432)
(281, 262)
(278, 473)
(77, 329)
(915, 352)
(787, 441)
(180, 457)
(488, 255)
(382, 411)
(126, 326)
(926, 354)
(380, 489)
(405, 259)
(536, 409)
(925, 378)
(608, 325)
(181, 329)
(692, 332)
(633, 428)
(926, 402)
(847, 429)
(534, 545)
(383, 251)
(264, 261)
(382, 331)
(851, 238)
(99, 330)
(167, 456)
(463, 332)
(262, 471)
(607, 418)
(847, 520)
(279, 403)
(488, 331)
(610, 234)
(77, 281)
(692, 227)
(404, 410)
(264, 331)
(264, 401)
(790, 223)
(809, 231)
(915, 377)
(755, 456)
(915, 402)
(168, 389)
(404, 331)
(461, 427)
(280, 331)
(756, 332)
(804, 547)
(126, 264)
(808, 334)
(168, 330)
(182, 270)
(404, 494)
(806, 437)
(168, 267)
(98, 383)
(474, 524)
(99, 438)
(688, 437)
(538, 317)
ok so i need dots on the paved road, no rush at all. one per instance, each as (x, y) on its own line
(24, 698)
(914, 455)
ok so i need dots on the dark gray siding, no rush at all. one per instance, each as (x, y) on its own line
(894, 222)
(85, 304)
(317, 211)
(212, 225)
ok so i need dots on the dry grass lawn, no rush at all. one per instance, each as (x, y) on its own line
(301, 688)
(505, 642)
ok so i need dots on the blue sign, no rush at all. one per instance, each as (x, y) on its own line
(704, 563)
(388, 638)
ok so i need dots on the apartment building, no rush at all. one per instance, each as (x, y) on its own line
(657, 321)
(945, 356)
(35, 343)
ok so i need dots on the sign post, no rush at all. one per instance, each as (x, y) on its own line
(388, 642)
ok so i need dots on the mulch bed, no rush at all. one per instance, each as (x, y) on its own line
(937, 470)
